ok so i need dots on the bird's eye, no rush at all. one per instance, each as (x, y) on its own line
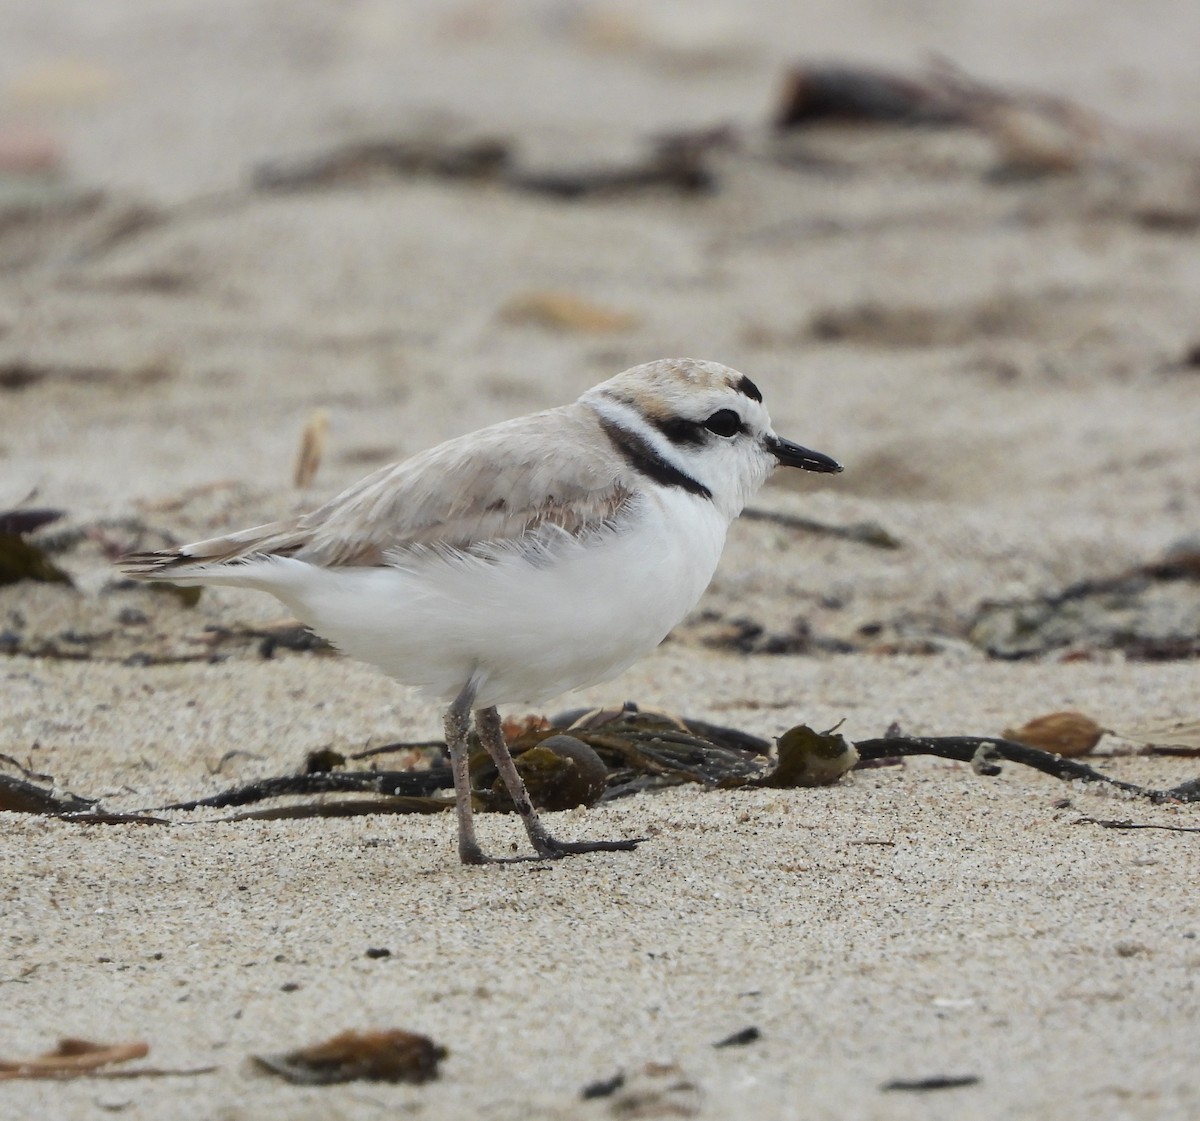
(724, 422)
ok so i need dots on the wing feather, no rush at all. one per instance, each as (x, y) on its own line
(489, 489)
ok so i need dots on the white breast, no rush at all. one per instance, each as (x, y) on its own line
(531, 629)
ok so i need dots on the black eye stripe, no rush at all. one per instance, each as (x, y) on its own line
(680, 431)
(724, 422)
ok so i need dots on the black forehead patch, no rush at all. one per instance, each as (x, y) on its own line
(748, 387)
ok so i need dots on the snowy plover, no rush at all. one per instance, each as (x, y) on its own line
(516, 563)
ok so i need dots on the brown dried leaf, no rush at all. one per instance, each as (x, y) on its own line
(514, 727)
(1064, 733)
(73, 1057)
(563, 311)
(380, 1056)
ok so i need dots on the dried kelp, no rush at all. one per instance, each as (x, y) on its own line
(22, 521)
(1034, 133)
(675, 162)
(865, 533)
(597, 757)
(748, 636)
(22, 559)
(482, 158)
(20, 374)
(747, 1035)
(583, 759)
(602, 1087)
(935, 1082)
(817, 93)
(808, 758)
(1150, 613)
(18, 795)
(347, 807)
(654, 1090)
(560, 772)
(392, 784)
(668, 750)
(1107, 823)
(1172, 737)
(967, 749)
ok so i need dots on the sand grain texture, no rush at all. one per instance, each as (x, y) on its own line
(1002, 363)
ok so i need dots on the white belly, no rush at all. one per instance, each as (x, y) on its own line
(527, 631)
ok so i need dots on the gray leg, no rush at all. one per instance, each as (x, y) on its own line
(458, 724)
(487, 724)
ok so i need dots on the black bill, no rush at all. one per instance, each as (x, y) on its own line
(793, 455)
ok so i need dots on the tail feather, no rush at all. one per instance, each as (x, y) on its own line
(216, 560)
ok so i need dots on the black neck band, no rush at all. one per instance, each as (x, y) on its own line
(641, 456)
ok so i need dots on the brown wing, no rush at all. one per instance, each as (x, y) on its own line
(497, 485)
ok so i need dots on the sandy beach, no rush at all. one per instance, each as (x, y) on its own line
(992, 323)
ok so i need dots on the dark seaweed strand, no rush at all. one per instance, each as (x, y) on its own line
(964, 749)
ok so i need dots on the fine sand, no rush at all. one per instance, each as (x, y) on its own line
(1006, 362)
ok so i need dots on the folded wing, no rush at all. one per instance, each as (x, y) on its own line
(490, 489)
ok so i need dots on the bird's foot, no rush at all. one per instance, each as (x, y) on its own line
(469, 852)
